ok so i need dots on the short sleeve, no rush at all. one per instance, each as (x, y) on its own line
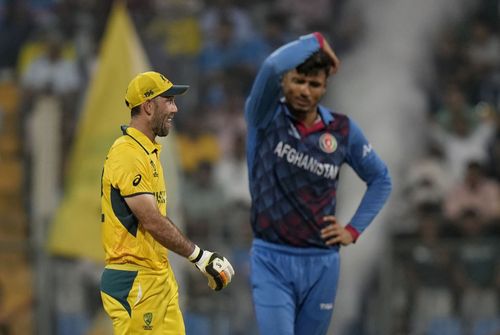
(131, 173)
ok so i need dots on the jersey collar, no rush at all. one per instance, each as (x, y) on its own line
(325, 114)
(141, 139)
(326, 117)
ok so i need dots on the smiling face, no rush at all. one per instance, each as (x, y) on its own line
(303, 92)
(164, 112)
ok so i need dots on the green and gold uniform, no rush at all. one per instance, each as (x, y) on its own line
(138, 287)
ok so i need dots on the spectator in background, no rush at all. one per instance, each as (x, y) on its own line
(309, 15)
(430, 274)
(493, 149)
(224, 54)
(451, 64)
(232, 173)
(482, 50)
(475, 269)
(456, 106)
(51, 72)
(460, 132)
(173, 38)
(215, 10)
(427, 180)
(275, 31)
(493, 162)
(475, 192)
(204, 204)
(16, 24)
(228, 113)
(197, 144)
(55, 74)
(218, 55)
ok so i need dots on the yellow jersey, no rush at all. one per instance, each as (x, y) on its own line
(132, 167)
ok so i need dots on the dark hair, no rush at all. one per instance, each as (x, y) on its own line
(318, 61)
(135, 111)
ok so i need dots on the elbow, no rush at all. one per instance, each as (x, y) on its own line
(382, 182)
(269, 63)
(388, 181)
(148, 226)
(151, 223)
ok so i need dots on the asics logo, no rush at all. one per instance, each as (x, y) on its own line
(137, 180)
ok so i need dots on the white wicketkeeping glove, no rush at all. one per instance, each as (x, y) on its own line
(216, 268)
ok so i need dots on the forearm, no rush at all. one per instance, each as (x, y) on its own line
(375, 197)
(167, 234)
(294, 53)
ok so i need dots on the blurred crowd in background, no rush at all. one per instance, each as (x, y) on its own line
(447, 267)
(444, 265)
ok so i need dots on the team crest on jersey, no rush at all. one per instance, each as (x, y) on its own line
(328, 143)
(148, 320)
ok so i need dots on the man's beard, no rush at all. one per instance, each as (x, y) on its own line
(163, 133)
(159, 127)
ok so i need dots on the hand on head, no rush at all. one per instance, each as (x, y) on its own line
(336, 62)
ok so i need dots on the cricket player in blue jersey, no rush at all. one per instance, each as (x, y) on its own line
(295, 150)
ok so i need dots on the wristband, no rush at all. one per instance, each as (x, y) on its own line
(354, 232)
(196, 254)
(320, 38)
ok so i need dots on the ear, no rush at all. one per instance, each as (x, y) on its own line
(147, 108)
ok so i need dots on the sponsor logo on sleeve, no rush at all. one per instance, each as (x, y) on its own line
(137, 180)
(367, 148)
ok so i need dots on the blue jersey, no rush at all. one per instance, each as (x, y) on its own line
(294, 177)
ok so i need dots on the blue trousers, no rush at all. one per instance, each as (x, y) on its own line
(293, 288)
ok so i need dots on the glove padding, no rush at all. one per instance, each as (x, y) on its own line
(216, 268)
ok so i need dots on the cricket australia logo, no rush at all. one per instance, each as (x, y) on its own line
(148, 320)
(328, 143)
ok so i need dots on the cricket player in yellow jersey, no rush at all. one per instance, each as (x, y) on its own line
(138, 288)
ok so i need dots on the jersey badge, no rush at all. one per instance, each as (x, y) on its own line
(148, 320)
(328, 143)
